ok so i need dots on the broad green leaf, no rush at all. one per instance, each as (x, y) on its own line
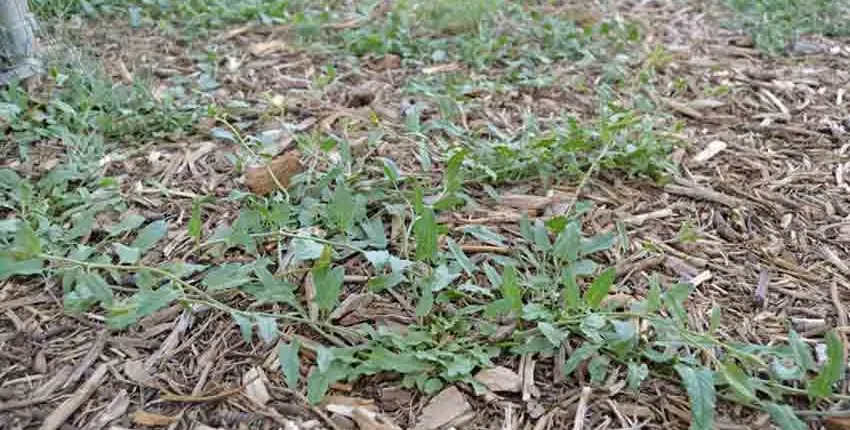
(459, 366)
(26, 241)
(453, 172)
(391, 170)
(126, 254)
(379, 259)
(784, 417)
(486, 235)
(541, 236)
(306, 249)
(637, 373)
(273, 290)
(510, 288)
(317, 385)
(385, 282)
(591, 325)
(832, 371)
(714, 320)
(462, 260)
(83, 223)
(11, 267)
(425, 231)
(341, 208)
(182, 269)
(81, 252)
(290, 364)
(674, 300)
(228, 275)
(525, 229)
(195, 220)
(598, 368)
(585, 351)
(266, 328)
(327, 281)
(324, 357)
(150, 235)
(567, 243)
(802, 352)
(432, 386)
(599, 288)
(92, 286)
(571, 293)
(426, 301)
(699, 384)
(128, 223)
(555, 335)
(738, 380)
(375, 235)
(246, 325)
(440, 278)
(600, 242)
(653, 298)
(585, 267)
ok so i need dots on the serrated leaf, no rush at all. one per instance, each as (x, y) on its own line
(784, 417)
(126, 254)
(324, 357)
(317, 385)
(328, 282)
(600, 287)
(266, 328)
(226, 276)
(341, 208)
(571, 293)
(425, 231)
(554, 335)
(600, 242)
(27, 242)
(699, 384)
(511, 290)
(801, 351)
(150, 235)
(272, 289)
(462, 260)
(306, 249)
(637, 374)
(598, 368)
(426, 301)
(485, 234)
(832, 371)
(290, 364)
(567, 243)
(585, 351)
(246, 326)
(738, 380)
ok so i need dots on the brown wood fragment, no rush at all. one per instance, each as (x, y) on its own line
(261, 179)
(61, 413)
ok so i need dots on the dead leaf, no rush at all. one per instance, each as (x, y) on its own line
(526, 202)
(348, 401)
(389, 62)
(263, 48)
(351, 304)
(260, 180)
(116, 409)
(255, 386)
(444, 408)
(137, 372)
(683, 109)
(500, 379)
(713, 148)
(394, 398)
(143, 418)
(441, 68)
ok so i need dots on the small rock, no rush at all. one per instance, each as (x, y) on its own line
(443, 409)
(500, 379)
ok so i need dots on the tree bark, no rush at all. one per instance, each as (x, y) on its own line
(18, 59)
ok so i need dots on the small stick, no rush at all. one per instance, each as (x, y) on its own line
(60, 414)
(578, 423)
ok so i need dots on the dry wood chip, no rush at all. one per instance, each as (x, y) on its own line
(255, 386)
(500, 379)
(713, 148)
(61, 413)
(151, 419)
(114, 410)
(443, 409)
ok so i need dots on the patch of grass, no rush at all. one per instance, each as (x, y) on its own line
(774, 24)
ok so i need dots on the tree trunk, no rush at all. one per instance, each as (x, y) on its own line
(18, 58)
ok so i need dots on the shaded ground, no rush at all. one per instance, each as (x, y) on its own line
(759, 226)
